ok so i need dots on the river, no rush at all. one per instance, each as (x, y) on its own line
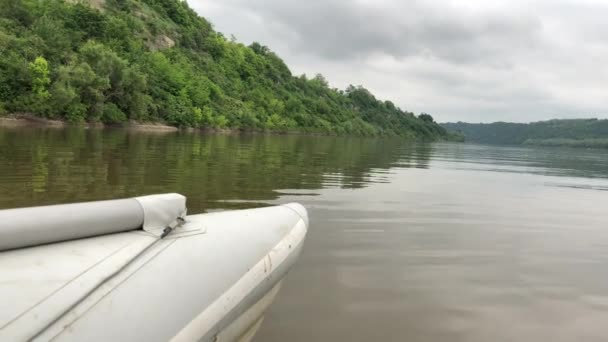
(408, 241)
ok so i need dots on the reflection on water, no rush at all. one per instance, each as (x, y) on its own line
(408, 242)
(39, 166)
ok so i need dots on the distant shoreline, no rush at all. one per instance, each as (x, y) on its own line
(579, 133)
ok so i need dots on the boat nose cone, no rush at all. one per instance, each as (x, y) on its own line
(300, 210)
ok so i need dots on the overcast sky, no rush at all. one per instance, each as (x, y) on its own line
(467, 60)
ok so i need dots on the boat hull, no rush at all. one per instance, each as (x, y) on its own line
(210, 280)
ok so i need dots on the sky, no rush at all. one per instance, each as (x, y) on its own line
(465, 60)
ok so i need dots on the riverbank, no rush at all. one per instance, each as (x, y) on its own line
(30, 120)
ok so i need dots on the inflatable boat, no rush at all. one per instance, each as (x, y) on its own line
(140, 269)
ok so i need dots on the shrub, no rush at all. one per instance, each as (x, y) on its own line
(112, 114)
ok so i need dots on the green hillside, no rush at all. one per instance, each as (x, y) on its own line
(157, 60)
(573, 132)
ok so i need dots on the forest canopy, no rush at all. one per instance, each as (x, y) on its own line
(113, 61)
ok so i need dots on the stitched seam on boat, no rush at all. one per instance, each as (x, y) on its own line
(63, 286)
(89, 293)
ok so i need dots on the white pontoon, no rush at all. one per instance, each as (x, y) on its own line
(139, 269)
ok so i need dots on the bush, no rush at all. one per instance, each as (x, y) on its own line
(76, 112)
(111, 114)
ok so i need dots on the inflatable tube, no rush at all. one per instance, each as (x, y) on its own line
(27, 227)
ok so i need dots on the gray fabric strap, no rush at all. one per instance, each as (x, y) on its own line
(161, 211)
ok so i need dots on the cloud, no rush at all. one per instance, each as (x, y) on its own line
(460, 60)
(343, 29)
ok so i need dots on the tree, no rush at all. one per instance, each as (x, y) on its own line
(426, 117)
(86, 19)
(78, 92)
(126, 84)
(259, 48)
(16, 10)
(40, 71)
(320, 80)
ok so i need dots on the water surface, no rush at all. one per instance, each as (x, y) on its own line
(408, 242)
